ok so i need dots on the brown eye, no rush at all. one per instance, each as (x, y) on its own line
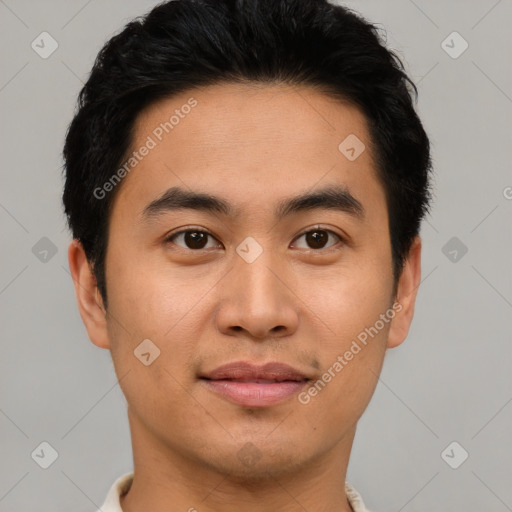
(196, 239)
(318, 238)
(193, 239)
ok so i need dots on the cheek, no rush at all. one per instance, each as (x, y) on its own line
(348, 299)
(149, 310)
(159, 303)
(350, 364)
(153, 297)
(350, 341)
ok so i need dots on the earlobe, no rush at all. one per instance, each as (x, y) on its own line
(407, 290)
(87, 294)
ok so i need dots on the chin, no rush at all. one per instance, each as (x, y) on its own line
(257, 464)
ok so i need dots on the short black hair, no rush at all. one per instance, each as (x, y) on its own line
(182, 44)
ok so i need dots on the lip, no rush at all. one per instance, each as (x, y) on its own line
(253, 385)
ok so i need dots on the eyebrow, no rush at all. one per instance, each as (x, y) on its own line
(333, 197)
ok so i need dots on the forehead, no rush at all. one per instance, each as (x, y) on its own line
(250, 143)
(245, 114)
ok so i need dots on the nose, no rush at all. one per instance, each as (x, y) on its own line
(257, 299)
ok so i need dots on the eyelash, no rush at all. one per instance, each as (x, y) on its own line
(191, 229)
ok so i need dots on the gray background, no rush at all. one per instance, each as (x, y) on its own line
(450, 381)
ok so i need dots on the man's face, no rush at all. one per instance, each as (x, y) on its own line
(295, 289)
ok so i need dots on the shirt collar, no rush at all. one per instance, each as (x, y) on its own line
(123, 483)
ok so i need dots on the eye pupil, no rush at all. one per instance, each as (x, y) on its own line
(316, 237)
(195, 239)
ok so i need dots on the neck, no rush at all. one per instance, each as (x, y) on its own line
(166, 480)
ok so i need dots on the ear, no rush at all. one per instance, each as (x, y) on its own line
(88, 296)
(407, 289)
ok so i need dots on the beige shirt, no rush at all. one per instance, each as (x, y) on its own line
(123, 483)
